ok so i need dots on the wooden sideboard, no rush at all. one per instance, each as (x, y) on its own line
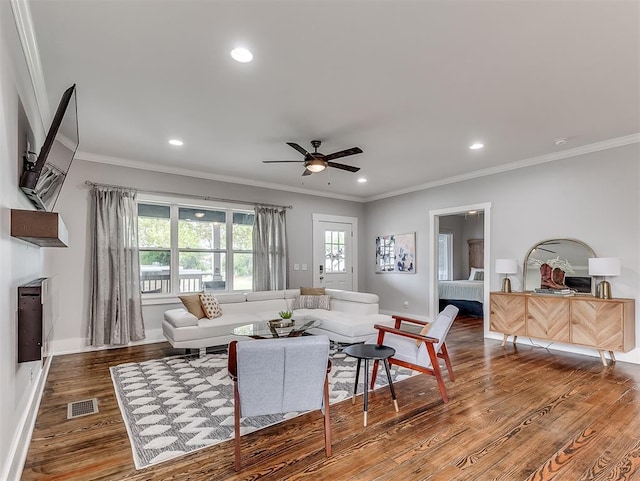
(604, 324)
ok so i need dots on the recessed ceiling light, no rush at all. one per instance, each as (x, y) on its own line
(561, 141)
(362, 180)
(176, 142)
(476, 146)
(241, 55)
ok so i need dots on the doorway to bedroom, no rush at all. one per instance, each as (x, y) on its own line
(459, 255)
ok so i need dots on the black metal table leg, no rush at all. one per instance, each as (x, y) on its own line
(355, 386)
(366, 389)
(393, 392)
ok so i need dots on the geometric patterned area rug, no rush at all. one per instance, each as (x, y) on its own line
(178, 405)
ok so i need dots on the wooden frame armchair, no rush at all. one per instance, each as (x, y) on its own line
(272, 376)
(419, 352)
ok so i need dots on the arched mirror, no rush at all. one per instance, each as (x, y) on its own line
(565, 264)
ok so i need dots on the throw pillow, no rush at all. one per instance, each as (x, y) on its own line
(210, 305)
(423, 332)
(479, 276)
(312, 291)
(192, 304)
(312, 302)
(474, 270)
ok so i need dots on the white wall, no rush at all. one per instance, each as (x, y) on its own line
(73, 264)
(593, 197)
(20, 262)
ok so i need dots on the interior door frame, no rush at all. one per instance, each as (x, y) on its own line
(434, 229)
(316, 219)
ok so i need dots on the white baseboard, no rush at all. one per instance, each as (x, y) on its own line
(22, 439)
(79, 344)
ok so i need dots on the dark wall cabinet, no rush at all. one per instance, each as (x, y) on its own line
(33, 320)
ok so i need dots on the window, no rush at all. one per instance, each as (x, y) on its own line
(445, 256)
(334, 248)
(191, 248)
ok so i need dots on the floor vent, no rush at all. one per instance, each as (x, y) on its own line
(82, 408)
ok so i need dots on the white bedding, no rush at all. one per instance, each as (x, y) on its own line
(462, 290)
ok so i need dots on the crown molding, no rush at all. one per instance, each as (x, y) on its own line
(24, 26)
(582, 150)
(204, 175)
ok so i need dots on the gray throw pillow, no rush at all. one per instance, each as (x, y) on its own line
(312, 302)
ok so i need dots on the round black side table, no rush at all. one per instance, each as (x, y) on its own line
(371, 352)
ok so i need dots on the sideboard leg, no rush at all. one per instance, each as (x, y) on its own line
(515, 338)
(613, 356)
(504, 339)
(602, 358)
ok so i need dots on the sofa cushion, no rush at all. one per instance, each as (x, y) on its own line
(231, 298)
(223, 326)
(312, 291)
(180, 318)
(363, 297)
(347, 325)
(210, 305)
(312, 302)
(192, 303)
(264, 295)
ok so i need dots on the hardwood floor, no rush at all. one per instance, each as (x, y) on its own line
(515, 413)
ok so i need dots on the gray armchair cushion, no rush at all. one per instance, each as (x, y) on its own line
(281, 375)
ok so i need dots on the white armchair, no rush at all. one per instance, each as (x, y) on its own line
(279, 376)
(419, 352)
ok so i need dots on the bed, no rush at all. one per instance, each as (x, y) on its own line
(466, 295)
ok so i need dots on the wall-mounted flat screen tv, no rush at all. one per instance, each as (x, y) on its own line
(42, 177)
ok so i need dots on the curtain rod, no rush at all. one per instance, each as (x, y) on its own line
(88, 183)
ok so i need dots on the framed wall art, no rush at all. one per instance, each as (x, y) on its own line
(396, 253)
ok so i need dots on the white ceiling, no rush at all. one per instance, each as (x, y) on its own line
(413, 83)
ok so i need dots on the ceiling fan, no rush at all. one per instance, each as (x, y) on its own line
(317, 162)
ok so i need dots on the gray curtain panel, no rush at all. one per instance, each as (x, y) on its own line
(116, 306)
(270, 253)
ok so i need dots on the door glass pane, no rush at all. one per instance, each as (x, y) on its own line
(242, 271)
(334, 249)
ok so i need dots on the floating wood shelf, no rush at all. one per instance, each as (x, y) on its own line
(44, 229)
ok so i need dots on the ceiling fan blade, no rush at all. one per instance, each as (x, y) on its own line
(344, 153)
(280, 161)
(307, 172)
(298, 148)
(350, 168)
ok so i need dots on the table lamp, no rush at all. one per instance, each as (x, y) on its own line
(506, 267)
(604, 266)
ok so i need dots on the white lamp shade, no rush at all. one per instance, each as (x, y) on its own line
(604, 266)
(506, 266)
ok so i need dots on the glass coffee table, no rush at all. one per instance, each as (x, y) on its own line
(276, 328)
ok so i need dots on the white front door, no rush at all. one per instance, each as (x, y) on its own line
(333, 252)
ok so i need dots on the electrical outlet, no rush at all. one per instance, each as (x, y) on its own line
(296, 267)
(406, 304)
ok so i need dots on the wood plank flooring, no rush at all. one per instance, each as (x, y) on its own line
(515, 413)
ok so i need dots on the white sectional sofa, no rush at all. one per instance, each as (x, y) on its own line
(350, 319)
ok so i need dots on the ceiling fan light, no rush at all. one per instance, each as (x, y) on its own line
(316, 165)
